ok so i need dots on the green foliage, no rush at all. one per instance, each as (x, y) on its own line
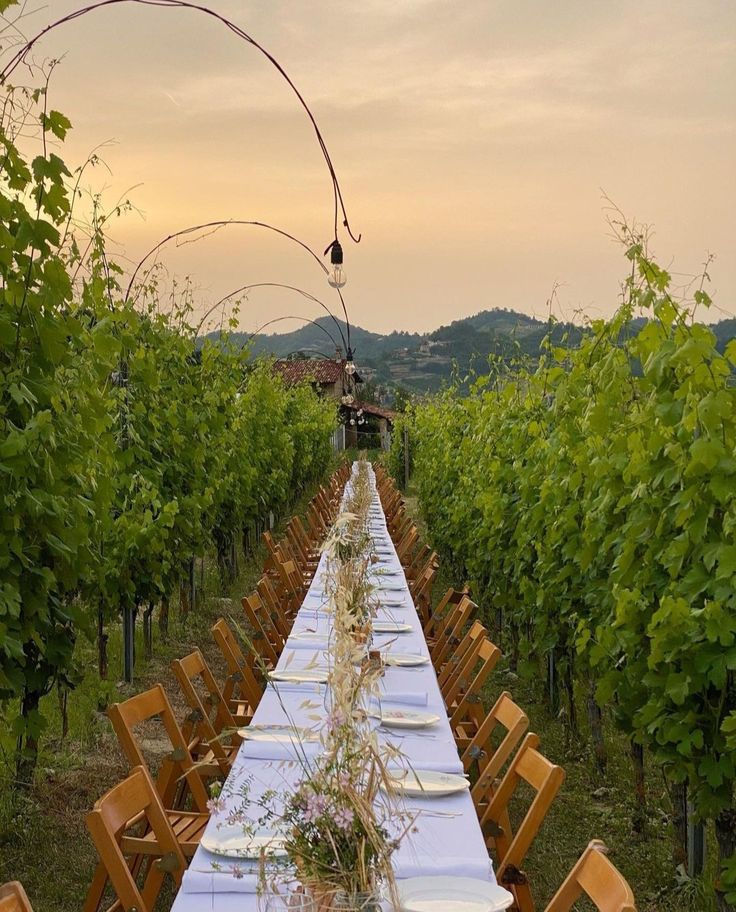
(124, 450)
(592, 500)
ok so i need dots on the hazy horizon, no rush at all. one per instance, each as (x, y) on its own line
(473, 143)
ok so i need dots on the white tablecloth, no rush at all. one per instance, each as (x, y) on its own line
(440, 845)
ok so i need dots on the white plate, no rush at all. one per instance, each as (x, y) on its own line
(404, 659)
(427, 783)
(392, 603)
(307, 636)
(391, 627)
(408, 718)
(288, 734)
(311, 676)
(235, 843)
(451, 894)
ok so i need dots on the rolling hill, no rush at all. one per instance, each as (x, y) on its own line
(423, 362)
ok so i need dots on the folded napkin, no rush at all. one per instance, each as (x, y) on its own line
(410, 864)
(409, 697)
(201, 881)
(279, 750)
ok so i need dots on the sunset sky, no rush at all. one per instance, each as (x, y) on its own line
(474, 142)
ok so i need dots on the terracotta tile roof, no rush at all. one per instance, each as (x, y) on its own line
(319, 370)
(370, 409)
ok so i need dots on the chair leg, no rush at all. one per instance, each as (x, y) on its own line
(96, 889)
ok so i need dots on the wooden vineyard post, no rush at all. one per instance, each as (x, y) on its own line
(101, 644)
(128, 643)
(695, 844)
(552, 692)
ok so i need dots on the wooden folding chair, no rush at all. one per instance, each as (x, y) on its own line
(241, 687)
(210, 726)
(545, 779)
(407, 543)
(177, 777)
(309, 544)
(441, 612)
(466, 712)
(417, 561)
(450, 677)
(275, 607)
(597, 878)
(266, 639)
(308, 556)
(13, 898)
(421, 589)
(133, 804)
(449, 632)
(488, 760)
(293, 586)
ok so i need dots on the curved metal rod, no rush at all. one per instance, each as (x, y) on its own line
(347, 321)
(222, 223)
(20, 56)
(263, 326)
(296, 351)
(304, 294)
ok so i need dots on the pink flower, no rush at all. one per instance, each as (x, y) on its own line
(314, 807)
(215, 805)
(237, 872)
(335, 719)
(344, 817)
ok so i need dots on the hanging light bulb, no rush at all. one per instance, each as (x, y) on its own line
(336, 277)
(350, 367)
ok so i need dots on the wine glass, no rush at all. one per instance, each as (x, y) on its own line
(291, 901)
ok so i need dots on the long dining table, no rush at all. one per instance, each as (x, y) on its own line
(445, 838)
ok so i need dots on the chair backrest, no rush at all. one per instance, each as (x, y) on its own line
(488, 656)
(178, 765)
(274, 608)
(449, 630)
(442, 611)
(13, 898)
(307, 542)
(597, 878)
(450, 678)
(242, 682)
(206, 721)
(490, 760)
(124, 805)
(263, 632)
(271, 550)
(417, 561)
(421, 588)
(406, 544)
(544, 778)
